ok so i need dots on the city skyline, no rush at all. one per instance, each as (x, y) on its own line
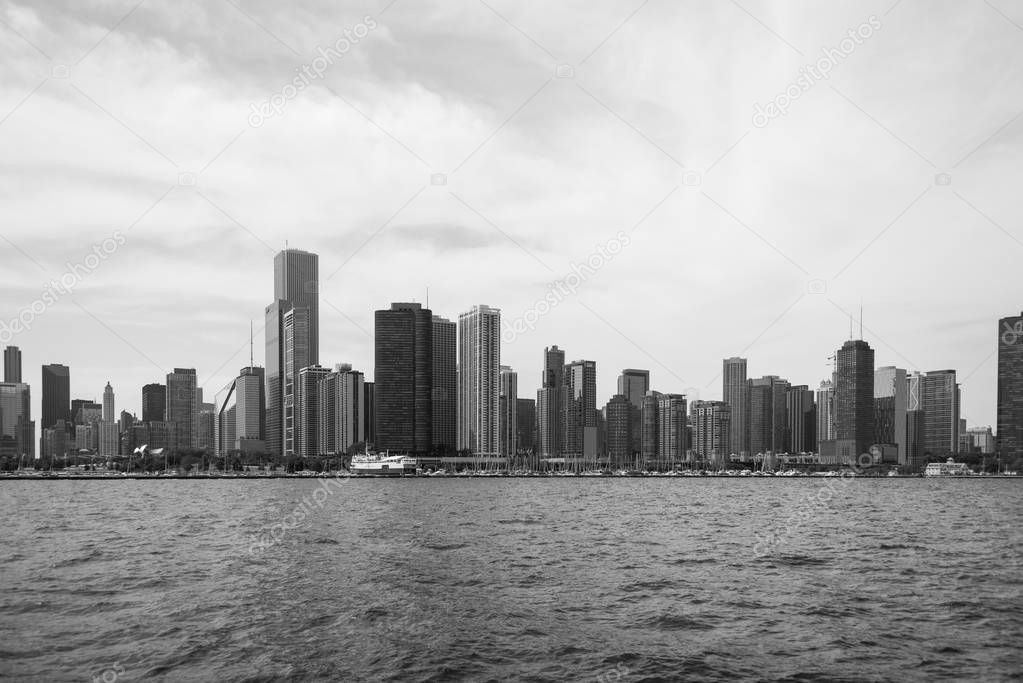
(903, 205)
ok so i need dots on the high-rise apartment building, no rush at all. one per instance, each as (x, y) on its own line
(445, 386)
(736, 393)
(619, 416)
(825, 413)
(56, 400)
(403, 379)
(712, 429)
(649, 427)
(295, 331)
(580, 404)
(342, 416)
(671, 429)
(801, 417)
(509, 405)
(12, 365)
(939, 395)
(854, 400)
(767, 414)
(479, 383)
(633, 385)
(549, 408)
(1009, 437)
(307, 410)
(182, 408)
(525, 414)
(17, 429)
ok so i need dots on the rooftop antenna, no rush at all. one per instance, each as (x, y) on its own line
(251, 364)
(427, 296)
(861, 320)
(850, 327)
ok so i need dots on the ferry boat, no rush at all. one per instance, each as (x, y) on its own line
(949, 468)
(371, 464)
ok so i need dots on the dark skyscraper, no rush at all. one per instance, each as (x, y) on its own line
(368, 412)
(56, 399)
(801, 417)
(549, 410)
(939, 397)
(183, 406)
(735, 392)
(445, 385)
(1009, 438)
(633, 385)
(403, 378)
(767, 415)
(854, 400)
(154, 403)
(580, 402)
(619, 413)
(526, 416)
(649, 427)
(12, 364)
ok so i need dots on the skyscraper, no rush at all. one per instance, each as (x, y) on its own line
(671, 429)
(854, 400)
(274, 333)
(767, 414)
(368, 411)
(240, 413)
(307, 410)
(403, 378)
(479, 384)
(801, 416)
(825, 414)
(12, 365)
(1009, 438)
(940, 399)
(633, 385)
(891, 402)
(342, 414)
(549, 411)
(56, 400)
(295, 334)
(649, 427)
(525, 414)
(108, 404)
(580, 402)
(182, 409)
(509, 404)
(296, 280)
(736, 393)
(17, 429)
(154, 403)
(619, 414)
(712, 421)
(445, 385)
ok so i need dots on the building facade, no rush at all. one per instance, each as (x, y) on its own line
(403, 379)
(509, 405)
(56, 399)
(736, 393)
(479, 381)
(182, 407)
(445, 386)
(854, 399)
(1009, 435)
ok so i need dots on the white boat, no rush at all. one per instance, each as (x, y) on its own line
(383, 465)
(949, 468)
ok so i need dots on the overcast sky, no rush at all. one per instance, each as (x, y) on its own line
(746, 236)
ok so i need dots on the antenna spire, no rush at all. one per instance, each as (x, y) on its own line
(251, 363)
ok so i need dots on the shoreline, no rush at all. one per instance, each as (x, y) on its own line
(346, 476)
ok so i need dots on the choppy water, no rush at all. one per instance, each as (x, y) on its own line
(525, 579)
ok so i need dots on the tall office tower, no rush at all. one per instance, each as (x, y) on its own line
(736, 393)
(108, 404)
(154, 403)
(767, 414)
(240, 414)
(549, 409)
(525, 413)
(274, 333)
(307, 410)
(649, 427)
(915, 459)
(712, 429)
(295, 333)
(671, 428)
(509, 405)
(891, 402)
(342, 417)
(296, 280)
(801, 411)
(825, 413)
(634, 384)
(182, 409)
(205, 430)
(445, 385)
(403, 374)
(368, 410)
(1009, 441)
(17, 430)
(125, 421)
(479, 384)
(854, 399)
(56, 394)
(580, 409)
(12, 365)
(619, 414)
(939, 395)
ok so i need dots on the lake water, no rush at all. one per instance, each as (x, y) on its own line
(523, 579)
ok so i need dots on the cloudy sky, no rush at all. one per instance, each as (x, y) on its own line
(482, 148)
